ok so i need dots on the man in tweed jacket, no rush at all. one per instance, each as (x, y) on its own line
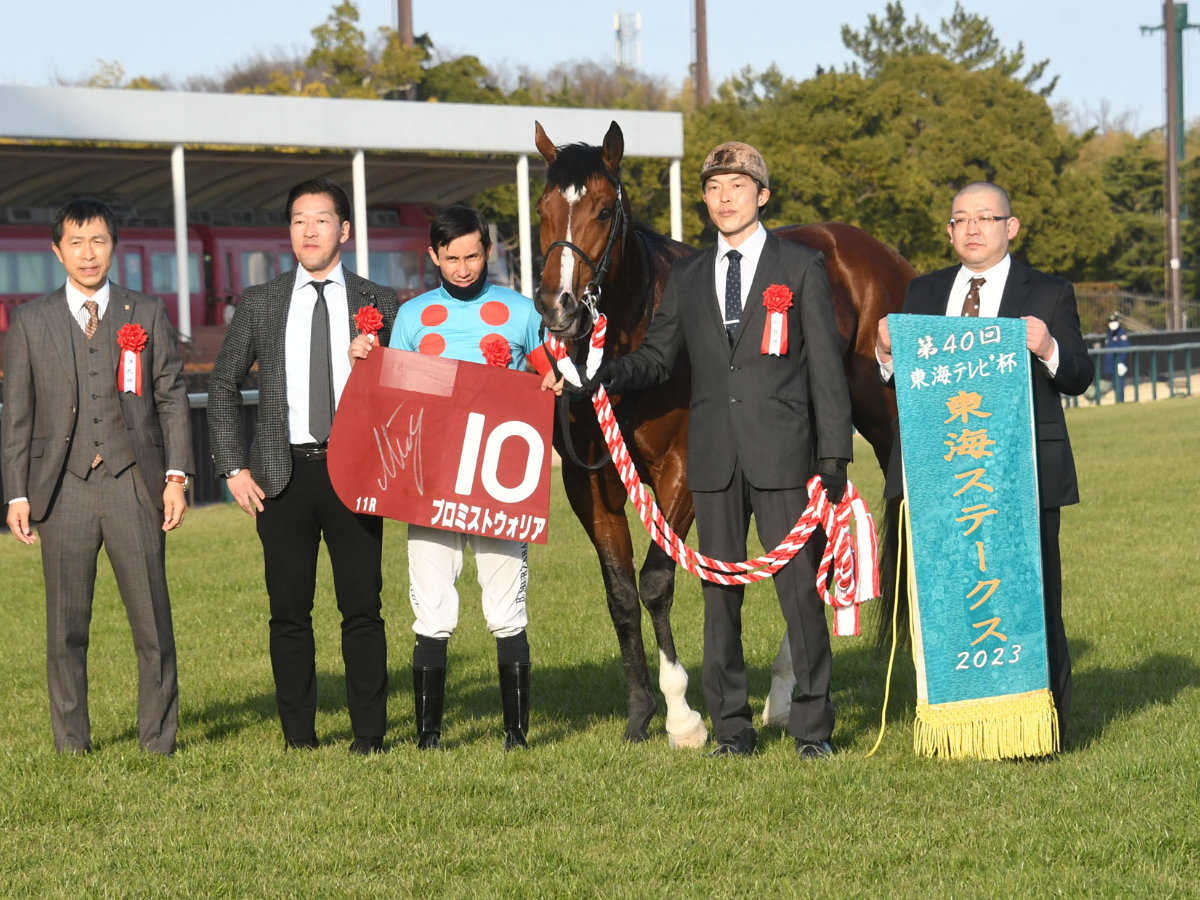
(298, 328)
(94, 460)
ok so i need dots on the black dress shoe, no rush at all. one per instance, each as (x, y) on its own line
(302, 744)
(366, 746)
(813, 749)
(741, 744)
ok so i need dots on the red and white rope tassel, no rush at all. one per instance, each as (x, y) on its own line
(851, 556)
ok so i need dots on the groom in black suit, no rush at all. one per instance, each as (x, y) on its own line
(762, 414)
(989, 282)
(298, 328)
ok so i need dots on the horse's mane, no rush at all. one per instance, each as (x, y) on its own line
(575, 166)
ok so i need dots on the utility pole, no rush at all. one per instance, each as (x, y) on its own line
(1175, 22)
(701, 54)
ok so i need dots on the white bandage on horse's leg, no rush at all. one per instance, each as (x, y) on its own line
(685, 727)
(783, 681)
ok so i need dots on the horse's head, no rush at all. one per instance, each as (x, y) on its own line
(585, 216)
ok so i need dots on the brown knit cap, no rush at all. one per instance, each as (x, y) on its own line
(734, 156)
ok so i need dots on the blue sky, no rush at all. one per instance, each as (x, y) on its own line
(1095, 47)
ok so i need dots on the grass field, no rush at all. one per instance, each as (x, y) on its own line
(583, 814)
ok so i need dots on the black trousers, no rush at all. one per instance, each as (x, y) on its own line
(723, 520)
(1057, 654)
(290, 527)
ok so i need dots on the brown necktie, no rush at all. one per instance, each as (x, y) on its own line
(971, 304)
(93, 309)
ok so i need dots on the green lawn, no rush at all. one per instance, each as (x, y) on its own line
(583, 814)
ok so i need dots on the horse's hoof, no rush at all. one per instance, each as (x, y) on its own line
(692, 739)
(636, 735)
(778, 707)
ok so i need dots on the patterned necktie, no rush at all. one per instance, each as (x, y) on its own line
(320, 371)
(93, 322)
(733, 294)
(971, 304)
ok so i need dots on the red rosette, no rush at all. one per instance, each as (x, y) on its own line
(777, 298)
(496, 351)
(132, 337)
(368, 320)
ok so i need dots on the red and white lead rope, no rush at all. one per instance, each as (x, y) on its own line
(852, 557)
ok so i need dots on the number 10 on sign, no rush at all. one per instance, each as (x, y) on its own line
(468, 462)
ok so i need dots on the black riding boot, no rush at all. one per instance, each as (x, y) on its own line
(514, 695)
(429, 691)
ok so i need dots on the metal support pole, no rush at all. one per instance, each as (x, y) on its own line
(362, 260)
(525, 234)
(1174, 263)
(676, 201)
(701, 54)
(183, 289)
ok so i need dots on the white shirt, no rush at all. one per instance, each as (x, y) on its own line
(751, 249)
(76, 299)
(298, 343)
(990, 294)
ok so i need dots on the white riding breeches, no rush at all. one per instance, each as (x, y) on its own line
(435, 560)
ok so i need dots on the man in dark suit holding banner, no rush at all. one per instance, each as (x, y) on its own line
(298, 329)
(769, 401)
(989, 283)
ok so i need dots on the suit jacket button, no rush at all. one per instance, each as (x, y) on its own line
(733, 368)
(72, 410)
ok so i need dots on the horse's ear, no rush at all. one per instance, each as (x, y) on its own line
(544, 144)
(614, 147)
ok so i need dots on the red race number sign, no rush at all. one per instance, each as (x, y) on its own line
(445, 444)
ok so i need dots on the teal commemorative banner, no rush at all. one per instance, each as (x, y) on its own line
(966, 422)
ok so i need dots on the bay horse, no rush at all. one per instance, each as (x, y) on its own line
(594, 255)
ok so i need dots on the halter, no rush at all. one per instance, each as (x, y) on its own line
(590, 298)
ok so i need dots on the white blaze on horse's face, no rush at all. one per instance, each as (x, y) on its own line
(566, 277)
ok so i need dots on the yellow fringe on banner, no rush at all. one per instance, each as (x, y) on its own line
(1020, 725)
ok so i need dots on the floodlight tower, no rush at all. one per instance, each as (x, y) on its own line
(628, 27)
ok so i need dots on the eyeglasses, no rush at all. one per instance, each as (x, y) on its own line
(983, 220)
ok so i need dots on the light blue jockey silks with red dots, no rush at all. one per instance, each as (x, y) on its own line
(437, 324)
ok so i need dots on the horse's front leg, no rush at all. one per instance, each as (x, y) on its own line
(685, 727)
(778, 707)
(603, 518)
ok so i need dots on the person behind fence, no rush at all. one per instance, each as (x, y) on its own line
(989, 282)
(97, 449)
(297, 328)
(1113, 366)
(764, 412)
(466, 318)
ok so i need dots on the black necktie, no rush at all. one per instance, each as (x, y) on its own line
(320, 371)
(733, 294)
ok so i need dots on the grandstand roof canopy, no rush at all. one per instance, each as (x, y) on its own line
(140, 177)
(414, 150)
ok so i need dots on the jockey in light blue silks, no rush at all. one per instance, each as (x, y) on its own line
(468, 319)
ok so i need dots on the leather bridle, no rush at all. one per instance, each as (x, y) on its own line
(590, 298)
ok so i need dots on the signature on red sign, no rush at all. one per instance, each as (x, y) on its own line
(397, 453)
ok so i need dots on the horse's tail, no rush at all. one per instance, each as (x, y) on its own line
(893, 599)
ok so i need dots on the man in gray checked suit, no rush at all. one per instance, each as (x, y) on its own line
(299, 328)
(96, 458)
